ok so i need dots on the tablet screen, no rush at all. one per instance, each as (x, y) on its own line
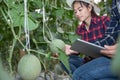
(87, 48)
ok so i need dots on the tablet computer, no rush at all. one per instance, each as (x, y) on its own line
(87, 48)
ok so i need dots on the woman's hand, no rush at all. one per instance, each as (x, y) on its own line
(109, 50)
(68, 51)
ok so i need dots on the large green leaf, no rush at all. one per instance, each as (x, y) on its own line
(17, 17)
(16, 14)
(18, 20)
(64, 59)
(31, 24)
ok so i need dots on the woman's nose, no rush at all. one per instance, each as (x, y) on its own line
(77, 13)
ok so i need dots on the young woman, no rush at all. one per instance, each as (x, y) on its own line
(93, 27)
(99, 68)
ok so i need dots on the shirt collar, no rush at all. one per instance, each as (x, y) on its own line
(93, 21)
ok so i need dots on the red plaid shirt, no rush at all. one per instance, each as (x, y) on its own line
(96, 30)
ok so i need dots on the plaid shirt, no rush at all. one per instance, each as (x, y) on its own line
(96, 30)
(113, 29)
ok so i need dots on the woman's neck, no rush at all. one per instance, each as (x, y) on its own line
(87, 22)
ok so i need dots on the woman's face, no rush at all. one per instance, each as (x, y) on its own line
(82, 12)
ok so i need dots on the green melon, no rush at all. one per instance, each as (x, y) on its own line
(29, 67)
(57, 44)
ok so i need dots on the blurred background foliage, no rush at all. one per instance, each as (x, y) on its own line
(47, 19)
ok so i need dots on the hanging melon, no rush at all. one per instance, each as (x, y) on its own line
(29, 67)
(57, 44)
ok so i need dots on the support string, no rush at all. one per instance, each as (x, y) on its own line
(26, 28)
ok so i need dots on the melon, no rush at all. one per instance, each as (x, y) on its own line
(57, 44)
(29, 67)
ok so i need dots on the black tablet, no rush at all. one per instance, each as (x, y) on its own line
(87, 48)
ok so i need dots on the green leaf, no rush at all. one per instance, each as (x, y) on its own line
(16, 14)
(48, 55)
(59, 13)
(64, 59)
(37, 3)
(73, 37)
(32, 25)
(115, 61)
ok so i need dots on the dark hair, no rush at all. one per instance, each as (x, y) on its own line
(87, 5)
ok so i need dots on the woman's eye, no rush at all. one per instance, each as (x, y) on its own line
(75, 11)
(80, 9)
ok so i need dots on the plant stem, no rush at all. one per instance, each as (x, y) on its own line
(41, 53)
(10, 55)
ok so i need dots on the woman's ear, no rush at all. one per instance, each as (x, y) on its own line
(90, 7)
